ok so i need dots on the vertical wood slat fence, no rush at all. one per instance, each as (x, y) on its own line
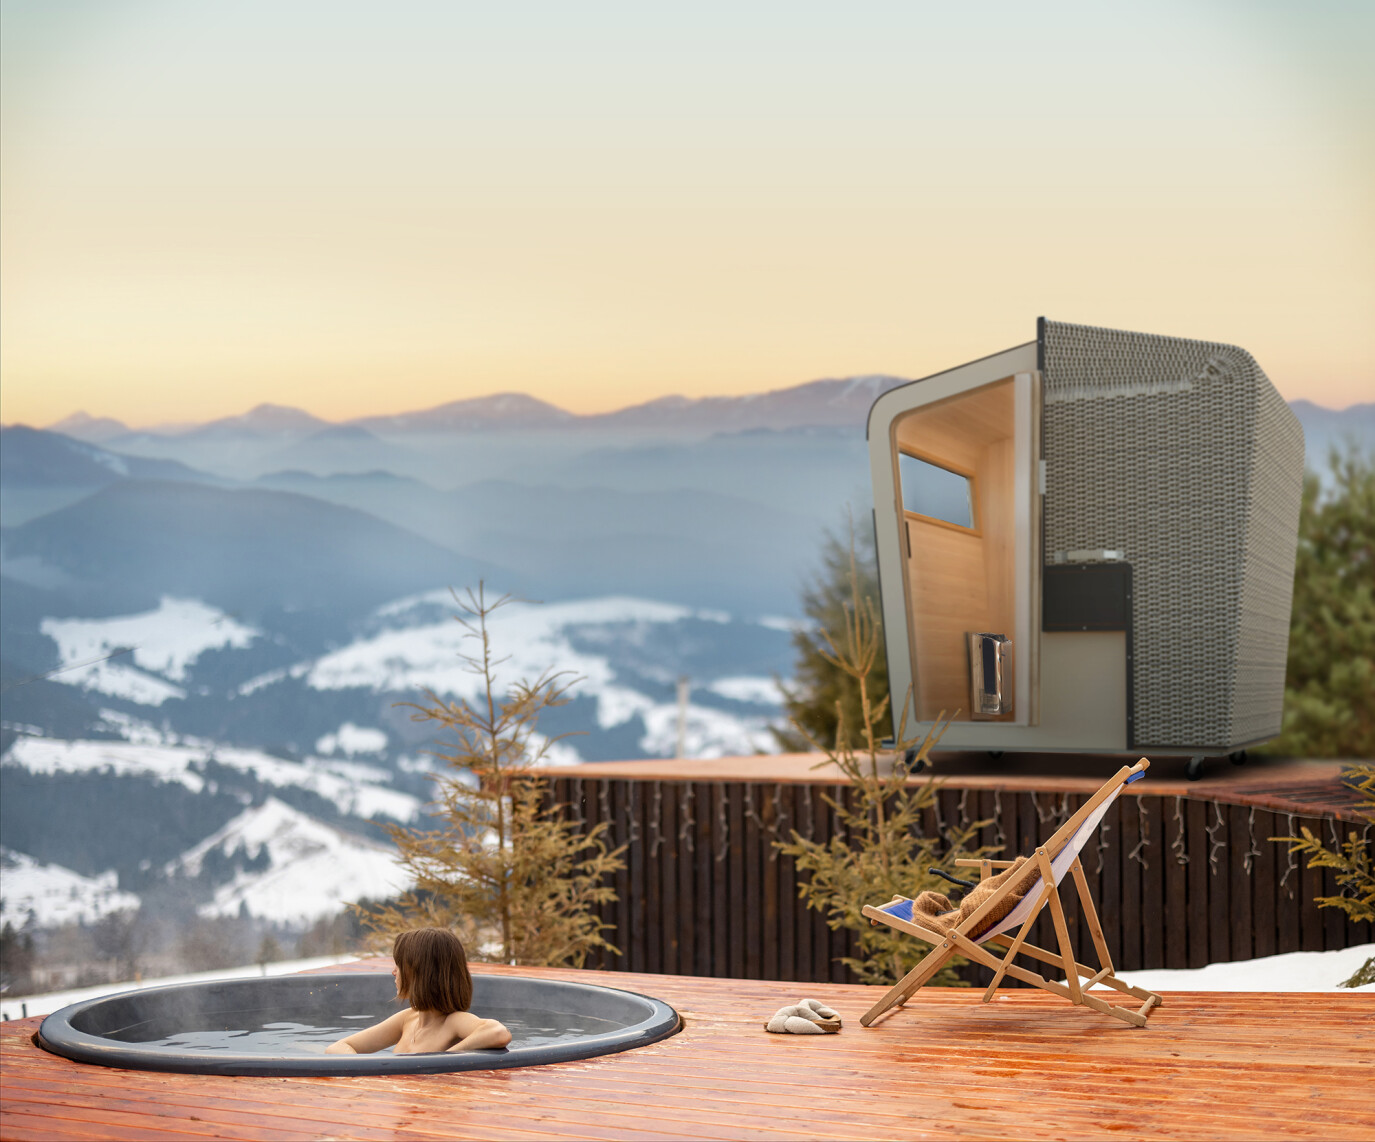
(1180, 882)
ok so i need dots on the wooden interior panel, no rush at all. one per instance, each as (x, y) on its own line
(947, 583)
(959, 426)
(957, 580)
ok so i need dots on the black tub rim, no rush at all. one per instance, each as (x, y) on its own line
(58, 1036)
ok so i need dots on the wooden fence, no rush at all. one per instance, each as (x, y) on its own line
(1179, 881)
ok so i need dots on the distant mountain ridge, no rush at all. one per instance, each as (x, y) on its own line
(503, 410)
(247, 550)
(828, 403)
(821, 403)
(32, 457)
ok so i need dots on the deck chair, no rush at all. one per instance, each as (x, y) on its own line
(1055, 858)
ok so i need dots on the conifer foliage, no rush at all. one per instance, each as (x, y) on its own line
(822, 694)
(1328, 711)
(515, 875)
(879, 850)
(1351, 862)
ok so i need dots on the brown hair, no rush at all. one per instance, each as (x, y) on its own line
(432, 970)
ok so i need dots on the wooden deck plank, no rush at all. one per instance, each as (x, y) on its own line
(370, 1118)
(1026, 1065)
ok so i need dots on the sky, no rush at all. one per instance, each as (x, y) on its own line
(364, 208)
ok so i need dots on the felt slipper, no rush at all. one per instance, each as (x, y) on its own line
(800, 1020)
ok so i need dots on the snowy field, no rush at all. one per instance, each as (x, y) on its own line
(164, 641)
(421, 648)
(622, 654)
(1293, 971)
(315, 869)
(352, 786)
(49, 894)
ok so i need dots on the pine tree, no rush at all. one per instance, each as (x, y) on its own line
(879, 850)
(820, 689)
(1328, 711)
(511, 872)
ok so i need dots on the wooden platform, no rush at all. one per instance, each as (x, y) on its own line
(1208, 1066)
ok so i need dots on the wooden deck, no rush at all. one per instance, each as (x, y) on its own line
(1208, 1066)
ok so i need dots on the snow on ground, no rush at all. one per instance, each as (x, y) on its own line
(428, 654)
(1292, 971)
(351, 739)
(51, 755)
(272, 677)
(47, 1003)
(748, 688)
(531, 637)
(164, 641)
(115, 679)
(315, 869)
(707, 733)
(778, 622)
(140, 732)
(49, 894)
(356, 788)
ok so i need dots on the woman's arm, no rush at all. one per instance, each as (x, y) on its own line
(476, 1034)
(374, 1038)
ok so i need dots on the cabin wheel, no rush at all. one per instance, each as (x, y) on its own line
(1195, 768)
(995, 754)
(1238, 757)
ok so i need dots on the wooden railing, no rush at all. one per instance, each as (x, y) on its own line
(1180, 881)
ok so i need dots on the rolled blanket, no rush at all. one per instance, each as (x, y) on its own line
(805, 1018)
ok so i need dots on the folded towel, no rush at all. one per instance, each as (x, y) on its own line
(807, 1017)
(823, 1014)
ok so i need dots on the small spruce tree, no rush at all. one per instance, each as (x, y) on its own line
(511, 872)
(1351, 863)
(823, 696)
(879, 850)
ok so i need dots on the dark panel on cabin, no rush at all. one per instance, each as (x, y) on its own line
(1086, 596)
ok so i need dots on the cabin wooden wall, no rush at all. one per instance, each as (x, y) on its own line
(960, 580)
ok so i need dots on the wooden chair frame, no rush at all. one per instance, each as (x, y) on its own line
(1079, 977)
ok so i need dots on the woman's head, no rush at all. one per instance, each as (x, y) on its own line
(432, 970)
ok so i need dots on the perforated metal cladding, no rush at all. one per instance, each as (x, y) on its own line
(1181, 455)
(1268, 577)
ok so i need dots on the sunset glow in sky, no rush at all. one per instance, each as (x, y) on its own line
(362, 208)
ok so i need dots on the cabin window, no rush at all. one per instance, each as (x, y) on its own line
(935, 492)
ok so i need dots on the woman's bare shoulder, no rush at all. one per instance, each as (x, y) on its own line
(462, 1023)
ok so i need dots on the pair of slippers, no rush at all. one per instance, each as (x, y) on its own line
(806, 1017)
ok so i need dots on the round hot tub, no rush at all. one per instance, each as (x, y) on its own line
(282, 1025)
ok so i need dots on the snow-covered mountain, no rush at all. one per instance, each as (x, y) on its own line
(617, 655)
(45, 895)
(621, 655)
(285, 834)
(124, 655)
(313, 870)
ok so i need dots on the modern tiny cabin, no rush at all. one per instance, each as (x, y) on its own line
(1086, 543)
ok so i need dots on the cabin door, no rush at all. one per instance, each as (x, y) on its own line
(967, 478)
